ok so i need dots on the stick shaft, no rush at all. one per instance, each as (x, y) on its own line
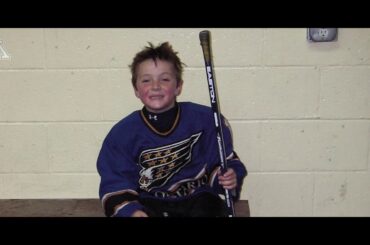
(205, 42)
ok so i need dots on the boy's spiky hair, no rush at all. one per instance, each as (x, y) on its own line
(162, 52)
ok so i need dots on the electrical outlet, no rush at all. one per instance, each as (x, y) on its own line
(322, 34)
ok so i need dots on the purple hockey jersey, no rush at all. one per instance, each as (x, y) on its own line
(136, 161)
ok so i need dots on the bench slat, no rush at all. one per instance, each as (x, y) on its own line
(71, 208)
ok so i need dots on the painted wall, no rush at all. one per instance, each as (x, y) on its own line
(300, 111)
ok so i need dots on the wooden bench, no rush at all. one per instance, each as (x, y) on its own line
(72, 208)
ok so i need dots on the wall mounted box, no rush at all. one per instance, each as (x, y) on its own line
(322, 34)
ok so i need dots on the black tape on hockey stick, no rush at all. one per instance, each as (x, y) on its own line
(205, 42)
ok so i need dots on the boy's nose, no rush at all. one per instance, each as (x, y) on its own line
(156, 84)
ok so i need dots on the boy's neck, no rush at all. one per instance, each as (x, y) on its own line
(164, 121)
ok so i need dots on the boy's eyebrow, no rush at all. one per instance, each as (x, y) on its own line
(163, 73)
(166, 73)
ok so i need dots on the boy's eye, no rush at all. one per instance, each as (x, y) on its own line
(145, 81)
(165, 79)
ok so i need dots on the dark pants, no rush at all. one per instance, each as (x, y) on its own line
(201, 205)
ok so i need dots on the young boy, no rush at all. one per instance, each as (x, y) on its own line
(163, 160)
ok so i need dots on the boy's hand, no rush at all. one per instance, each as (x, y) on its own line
(139, 213)
(228, 179)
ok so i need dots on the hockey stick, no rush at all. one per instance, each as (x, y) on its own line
(205, 42)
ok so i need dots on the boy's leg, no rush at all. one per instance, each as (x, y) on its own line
(202, 205)
(207, 205)
(154, 208)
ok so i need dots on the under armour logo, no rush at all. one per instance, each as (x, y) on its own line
(3, 54)
(153, 117)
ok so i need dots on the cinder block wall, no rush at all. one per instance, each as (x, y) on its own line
(300, 111)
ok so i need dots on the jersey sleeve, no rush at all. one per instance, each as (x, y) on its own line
(118, 190)
(233, 161)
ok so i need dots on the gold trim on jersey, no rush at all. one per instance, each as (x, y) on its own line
(155, 130)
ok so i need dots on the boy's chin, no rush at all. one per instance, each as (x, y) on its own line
(158, 109)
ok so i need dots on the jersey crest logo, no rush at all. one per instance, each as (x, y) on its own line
(160, 164)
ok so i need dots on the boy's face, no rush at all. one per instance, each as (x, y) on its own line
(156, 85)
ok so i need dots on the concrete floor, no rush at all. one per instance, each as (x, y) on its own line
(71, 208)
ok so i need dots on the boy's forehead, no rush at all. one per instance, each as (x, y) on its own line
(156, 61)
(149, 64)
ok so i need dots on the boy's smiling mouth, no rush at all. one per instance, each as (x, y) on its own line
(156, 97)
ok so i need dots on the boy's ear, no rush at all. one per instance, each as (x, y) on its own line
(179, 87)
(136, 93)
